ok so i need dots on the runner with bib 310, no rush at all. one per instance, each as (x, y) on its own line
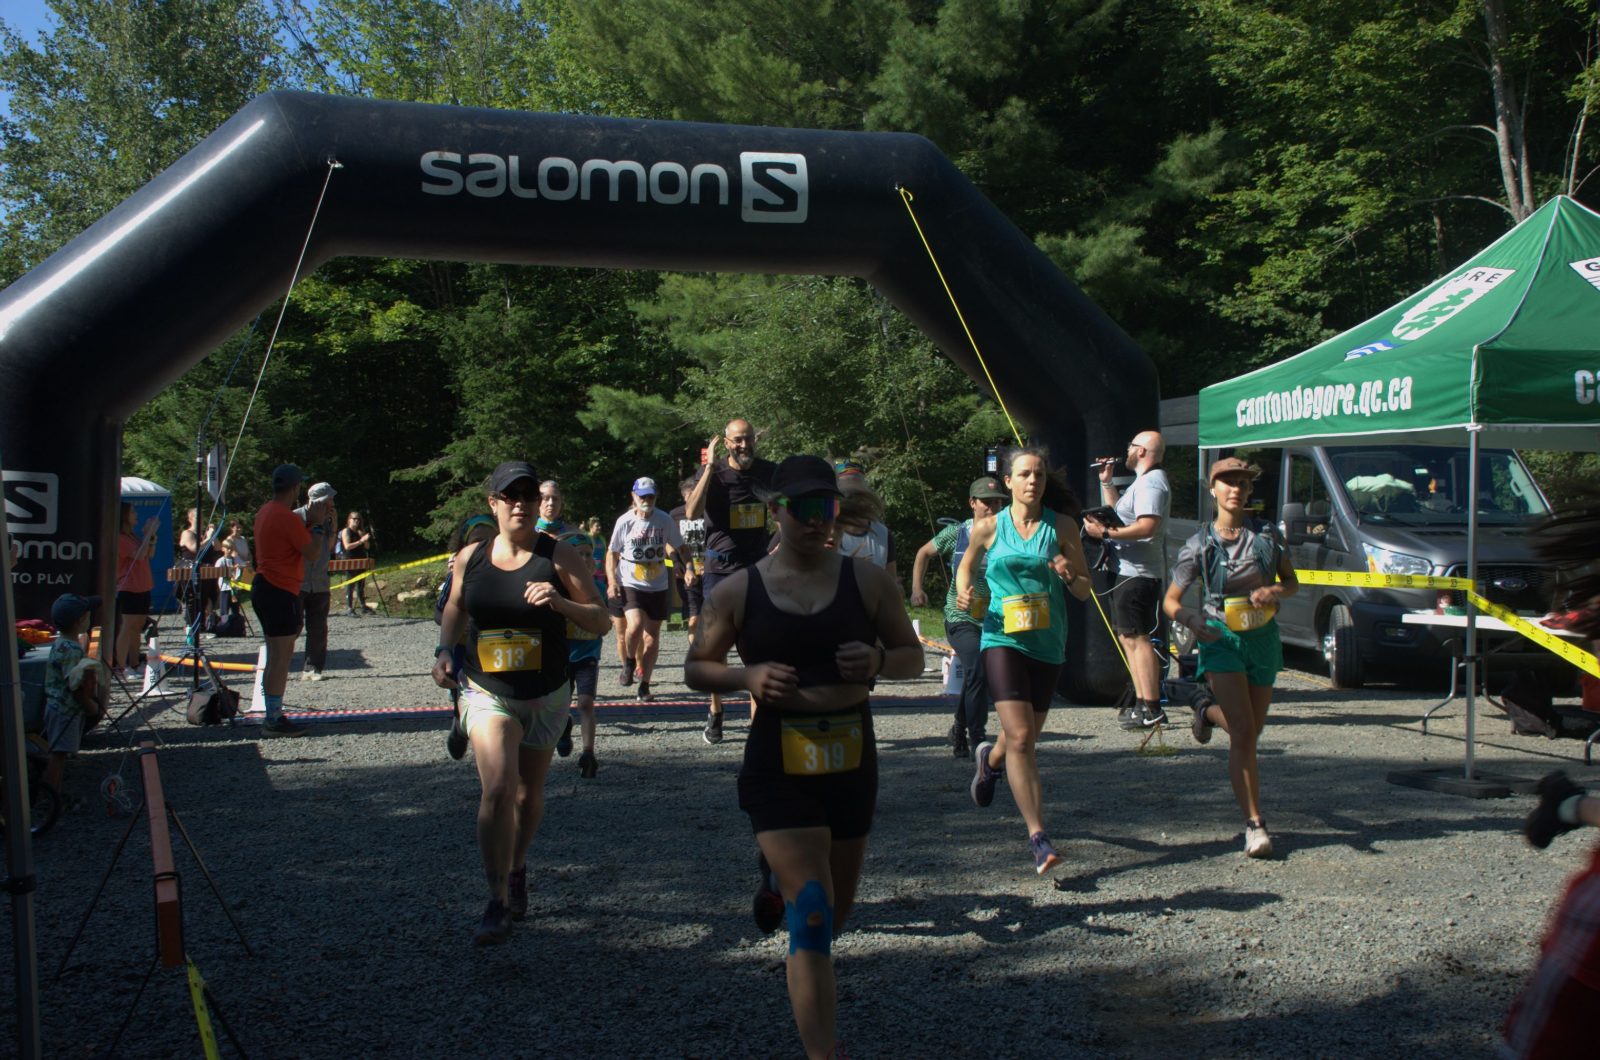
(1034, 555)
(813, 629)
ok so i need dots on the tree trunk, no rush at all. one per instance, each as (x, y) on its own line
(1510, 140)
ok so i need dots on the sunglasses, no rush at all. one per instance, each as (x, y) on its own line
(514, 496)
(822, 508)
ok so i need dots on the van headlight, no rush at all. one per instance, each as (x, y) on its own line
(1383, 561)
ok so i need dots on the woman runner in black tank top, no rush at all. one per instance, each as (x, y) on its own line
(509, 605)
(812, 629)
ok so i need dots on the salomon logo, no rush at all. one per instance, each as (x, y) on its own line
(776, 187)
(33, 501)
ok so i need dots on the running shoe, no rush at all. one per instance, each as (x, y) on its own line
(495, 927)
(713, 733)
(768, 907)
(1130, 718)
(958, 741)
(311, 675)
(1045, 857)
(1257, 843)
(282, 726)
(984, 777)
(1199, 725)
(564, 744)
(1545, 823)
(588, 765)
(350, 612)
(1151, 715)
(517, 905)
(627, 672)
(644, 692)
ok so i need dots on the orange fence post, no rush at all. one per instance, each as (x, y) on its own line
(169, 905)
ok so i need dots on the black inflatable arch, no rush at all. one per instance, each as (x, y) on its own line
(125, 308)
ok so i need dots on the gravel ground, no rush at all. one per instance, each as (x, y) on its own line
(1393, 921)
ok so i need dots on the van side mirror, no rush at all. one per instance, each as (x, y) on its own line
(1300, 529)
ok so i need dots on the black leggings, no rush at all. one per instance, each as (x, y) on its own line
(1015, 676)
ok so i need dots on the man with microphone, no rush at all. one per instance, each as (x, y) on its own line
(1141, 564)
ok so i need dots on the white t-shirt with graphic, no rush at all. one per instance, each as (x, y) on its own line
(641, 548)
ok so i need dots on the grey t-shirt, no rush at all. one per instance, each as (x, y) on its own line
(1148, 495)
(1244, 573)
(316, 579)
(641, 548)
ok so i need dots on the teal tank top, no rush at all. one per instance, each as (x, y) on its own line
(1024, 593)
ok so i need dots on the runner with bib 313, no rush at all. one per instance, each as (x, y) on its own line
(1034, 556)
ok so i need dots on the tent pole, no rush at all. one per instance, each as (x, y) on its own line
(20, 880)
(1473, 432)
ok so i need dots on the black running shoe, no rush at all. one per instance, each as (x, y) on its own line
(518, 894)
(1544, 824)
(644, 692)
(628, 666)
(588, 765)
(1130, 717)
(564, 744)
(767, 908)
(1152, 715)
(713, 732)
(958, 741)
(282, 726)
(495, 927)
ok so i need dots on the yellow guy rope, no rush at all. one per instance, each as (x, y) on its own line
(907, 198)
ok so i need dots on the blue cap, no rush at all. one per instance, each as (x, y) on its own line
(69, 607)
(644, 486)
(284, 476)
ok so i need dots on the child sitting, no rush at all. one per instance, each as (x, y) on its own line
(75, 686)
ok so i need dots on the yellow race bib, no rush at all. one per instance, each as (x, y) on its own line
(504, 650)
(1025, 613)
(817, 746)
(646, 572)
(1242, 616)
(752, 516)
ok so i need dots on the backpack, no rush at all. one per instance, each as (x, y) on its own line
(232, 626)
(212, 708)
(1213, 559)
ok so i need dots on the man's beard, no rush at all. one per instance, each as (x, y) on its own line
(744, 459)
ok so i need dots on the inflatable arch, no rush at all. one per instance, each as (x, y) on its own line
(126, 307)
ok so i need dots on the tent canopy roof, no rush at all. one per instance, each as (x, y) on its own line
(1507, 344)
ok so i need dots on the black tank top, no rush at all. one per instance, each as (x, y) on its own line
(514, 649)
(806, 642)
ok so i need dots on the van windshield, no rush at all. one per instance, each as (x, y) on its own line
(1427, 485)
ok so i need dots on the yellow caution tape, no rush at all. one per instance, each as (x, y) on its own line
(1367, 580)
(202, 1015)
(390, 570)
(1573, 653)
(1566, 649)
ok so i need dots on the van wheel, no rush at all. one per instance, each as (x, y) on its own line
(1339, 649)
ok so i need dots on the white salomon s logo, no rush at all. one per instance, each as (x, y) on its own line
(33, 501)
(776, 188)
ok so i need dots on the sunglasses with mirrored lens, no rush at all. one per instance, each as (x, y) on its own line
(515, 496)
(812, 509)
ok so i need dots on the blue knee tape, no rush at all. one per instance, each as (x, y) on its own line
(811, 903)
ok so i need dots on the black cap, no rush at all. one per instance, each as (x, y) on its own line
(284, 476)
(509, 472)
(802, 476)
(69, 607)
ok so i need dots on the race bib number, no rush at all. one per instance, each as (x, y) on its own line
(1242, 616)
(1026, 613)
(747, 516)
(646, 572)
(504, 650)
(817, 746)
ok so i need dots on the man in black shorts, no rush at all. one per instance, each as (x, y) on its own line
(1141, 567)
(636, 574)
(283, 544)
(693, 532)
(735, 518)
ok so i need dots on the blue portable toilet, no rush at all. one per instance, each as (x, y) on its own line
(151, 500)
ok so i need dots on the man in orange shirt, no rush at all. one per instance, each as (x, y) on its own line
(283, 544)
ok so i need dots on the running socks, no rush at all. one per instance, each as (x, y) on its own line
(274, 706)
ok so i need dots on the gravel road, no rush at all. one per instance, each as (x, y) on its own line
(1392, 922)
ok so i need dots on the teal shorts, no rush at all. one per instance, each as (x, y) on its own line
(1258, 653)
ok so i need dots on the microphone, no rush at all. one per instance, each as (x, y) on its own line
(1104, 461)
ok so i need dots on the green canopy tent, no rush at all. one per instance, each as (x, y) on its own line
(1504, 351)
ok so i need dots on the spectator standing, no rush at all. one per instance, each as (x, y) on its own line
(315, 592)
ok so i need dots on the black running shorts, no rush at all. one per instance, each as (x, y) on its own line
(655, 605)
(1017, 677)
(278, 610)
(1137, 600)
(585, 674)
(775, 800)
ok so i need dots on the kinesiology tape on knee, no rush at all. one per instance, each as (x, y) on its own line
(810, 920)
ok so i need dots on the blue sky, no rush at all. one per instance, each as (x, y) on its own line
(26, 18)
